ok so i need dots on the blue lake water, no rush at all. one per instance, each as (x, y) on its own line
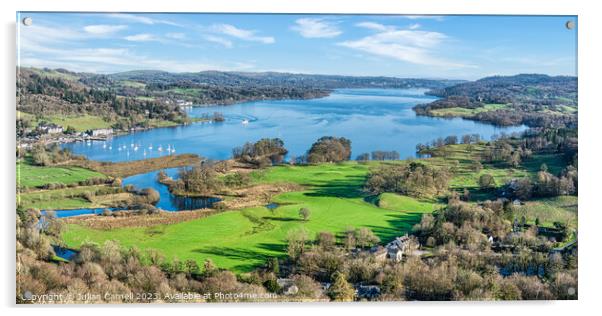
(373, 119)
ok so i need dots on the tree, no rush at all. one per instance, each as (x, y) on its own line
(486, 182)
(304, 213)
(274, 265)
(341, 290)
(365, 238)
(326, 240)
(263, 153)
(329, 149)
(296, 242)
(363, 157)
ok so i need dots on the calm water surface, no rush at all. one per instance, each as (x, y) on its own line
(374, 119)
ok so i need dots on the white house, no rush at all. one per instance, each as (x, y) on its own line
(101, 132)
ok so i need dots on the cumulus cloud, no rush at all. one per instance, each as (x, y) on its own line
(316, 28)
(408, 45)
(243, 34)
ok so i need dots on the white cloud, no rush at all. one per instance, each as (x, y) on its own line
(219, 40)
(247, 35)
(143, 37)
(104, 29)
(316, 28)
(407, 45)
(373, 26)
(138, 18)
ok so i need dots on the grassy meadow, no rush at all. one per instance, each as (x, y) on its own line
(243, 239)
(29, 175)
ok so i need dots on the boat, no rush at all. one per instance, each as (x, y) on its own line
(245, 122)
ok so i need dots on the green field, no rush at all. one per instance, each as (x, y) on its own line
(68, 198)
(242, 240)
(562, 209)
(34, 176)
(81, 123)
(466, 112)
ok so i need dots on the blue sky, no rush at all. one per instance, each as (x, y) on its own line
(462, 47)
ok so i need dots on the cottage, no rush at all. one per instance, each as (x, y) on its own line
(50, 128)
(288, 286)
(101, 132)
(396, 248)
(394, 254)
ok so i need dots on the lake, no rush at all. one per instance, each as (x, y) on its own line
(373, 119)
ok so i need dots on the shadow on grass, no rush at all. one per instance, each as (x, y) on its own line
(400, 224)
(282, 219)
(348, 187)
(252, 258)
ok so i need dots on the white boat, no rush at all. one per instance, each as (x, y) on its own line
(160, 148)
(245, 122)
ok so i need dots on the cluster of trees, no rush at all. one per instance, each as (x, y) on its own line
(251, 81)
(545, 184)
(527, 96)
(379, 155)
(263, 153)
(198, 180)
(414, 179)
(449, 140)
(541, 89)
(41, 94)
(329, 149)
(42, 155)
(503, 150)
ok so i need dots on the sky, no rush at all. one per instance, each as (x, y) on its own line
(453, 47)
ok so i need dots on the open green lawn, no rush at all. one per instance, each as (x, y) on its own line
(549, 210)
(33, 176)
(242, 240)
(80, 123)
(466, 112)
(68, 198)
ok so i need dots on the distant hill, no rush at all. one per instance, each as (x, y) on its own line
(537, 88)
(532, 99)
(255, 79)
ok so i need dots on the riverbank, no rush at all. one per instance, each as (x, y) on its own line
(130, 168)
